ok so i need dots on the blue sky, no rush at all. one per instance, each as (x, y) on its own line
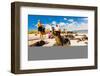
(63, 21)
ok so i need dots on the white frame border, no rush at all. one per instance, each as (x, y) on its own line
(25, 64)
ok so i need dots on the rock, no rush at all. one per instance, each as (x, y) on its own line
(66, 41)
(70, 36)
(62, 41)
(39, 43)
(58, 40)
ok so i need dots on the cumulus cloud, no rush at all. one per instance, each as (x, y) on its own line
(83, 26)
(65, 18)
(73, 26)
(35, 25)
(61, 24)
(71, 20)
(54, 22)
(85, 19)
(47, 26)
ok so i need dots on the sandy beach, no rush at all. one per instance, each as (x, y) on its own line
(33, 38)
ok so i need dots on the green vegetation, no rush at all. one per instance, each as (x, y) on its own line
(32, 32)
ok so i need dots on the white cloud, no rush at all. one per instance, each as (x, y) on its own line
(73, 26)
(68, 26)
(54, 22)
(83, 26)
(61, 24)
(65, 18)
(85, 19)
(71, 20)
(47, 26)
(35, 25)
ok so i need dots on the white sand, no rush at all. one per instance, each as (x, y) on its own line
(35, 38)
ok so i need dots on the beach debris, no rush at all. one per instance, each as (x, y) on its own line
(78, 39)
(70, 36)
(86, 42)
(76, 34)
(83, 38)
